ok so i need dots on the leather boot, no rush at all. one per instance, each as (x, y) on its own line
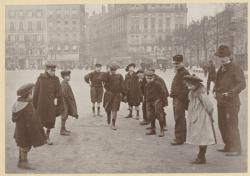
(93, 110)
(113, 125)
(137, 115)
(98, 112)
(47, 137)
(63, 131)
(130, 114)
(23, 161)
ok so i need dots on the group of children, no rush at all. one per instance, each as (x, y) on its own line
(141, 86)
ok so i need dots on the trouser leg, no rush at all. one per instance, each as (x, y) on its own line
(108, 112)
(180, 121)
(222, 125)
(233, 134)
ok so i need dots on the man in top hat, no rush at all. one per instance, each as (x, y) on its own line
(230, 81)
(179, 93)
(68, 102)
(154, 97)
(158, 79)
(95, 79)
(211, 74)
(133, 90)
(114, 85)
(47, 98)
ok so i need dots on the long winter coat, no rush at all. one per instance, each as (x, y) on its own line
(133, 89)
(68, 106)
(199, 124)
(47, 89)
(28, 130)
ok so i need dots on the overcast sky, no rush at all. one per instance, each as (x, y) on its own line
(195, 11)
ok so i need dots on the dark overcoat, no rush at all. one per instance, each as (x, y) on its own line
(165, 90)
(133, 89)
(47, 89)
(28, 130)
(68, 105)
(230, 79)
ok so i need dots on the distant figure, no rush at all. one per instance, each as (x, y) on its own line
(230, 81)
(211, 75)
(28, 131)
(95, 79)
(47, 99)
(133, 90)
(200, 130)
(68, 106)
(179, 93)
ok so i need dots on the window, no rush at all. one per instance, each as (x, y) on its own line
(30, 26)
(12, 27)
(74, 47)
(20, 26)
(39, 13)
(39, 38)
(12, 38)
(39, 26)
(74, 12)
(29, 14)
(17, 38)
(11, 14)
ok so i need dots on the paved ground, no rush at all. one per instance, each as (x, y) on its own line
(94, 148)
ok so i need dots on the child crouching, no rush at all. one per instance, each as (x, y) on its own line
(200, 130)
(28, 130)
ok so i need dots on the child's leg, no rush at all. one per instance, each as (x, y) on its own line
(98, 109)
(93, 108)
(137, 112)
(48, 138)
(114, 115)
(108, 112)
(130, 112)
(23, 158)
(63, 130)
(202, 151)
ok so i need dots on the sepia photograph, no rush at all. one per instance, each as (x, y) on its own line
(126, 88)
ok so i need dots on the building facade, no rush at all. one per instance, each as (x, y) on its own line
(37, 34)
(135, 31)
(25, 42)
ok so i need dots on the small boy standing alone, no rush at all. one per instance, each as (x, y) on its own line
(68, 102)
(200, 130)
(28, 131)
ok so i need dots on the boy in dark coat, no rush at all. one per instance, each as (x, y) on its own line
(133, 90)
(164, 101)
(28, 130)
(95, 79)
(68, 102)
(47, 98)
(154, 96)
(114, 91)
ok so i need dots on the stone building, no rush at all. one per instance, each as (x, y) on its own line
(134, 31)
(25, 31)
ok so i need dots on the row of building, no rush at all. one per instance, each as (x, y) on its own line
(35, 34)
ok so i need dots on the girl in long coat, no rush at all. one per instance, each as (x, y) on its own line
(200, 129)
(28, 130)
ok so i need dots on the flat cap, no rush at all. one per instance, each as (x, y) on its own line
(98, 65)
(25, 89)
(223, 51)
(65, 73)
(192, 78)
(177, 59)
(140, 71)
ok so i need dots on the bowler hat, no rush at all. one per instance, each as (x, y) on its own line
(192, 78)
(177, 59)
(25, 89)
(223, 51)
(130, 65)
(65, 73)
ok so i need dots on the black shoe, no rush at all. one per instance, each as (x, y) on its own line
(176, 143)
(151, 132)
(233, 154)
(222, 150)
(199, 161)
(144, 123)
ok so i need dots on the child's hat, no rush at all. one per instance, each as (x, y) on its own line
(25, 89)
(130, 65)
(192, 78)
(65, 73)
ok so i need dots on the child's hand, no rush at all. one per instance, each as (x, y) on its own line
(55, 101)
